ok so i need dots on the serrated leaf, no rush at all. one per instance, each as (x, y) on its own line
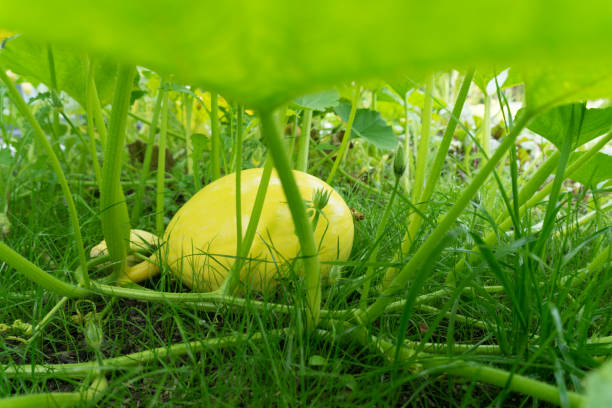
(29, 58)
(318, 101)
(552, 124)
(369, 125)
(594, 171)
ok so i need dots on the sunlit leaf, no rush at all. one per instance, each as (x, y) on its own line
(318, 100)
(369, 125)
(552, 124)
(594, 171)
(29, 58)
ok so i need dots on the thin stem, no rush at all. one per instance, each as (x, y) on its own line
(90, 120)
(304, 141)
(216, 137)
(347, 135)
(415, 220)
(238, 170)
(146, 165)
(161, 167)
(411, 268)
(365, 290)
(247, 241)
(188, 100)
(57, 168)
(303, 229)
(114, 213)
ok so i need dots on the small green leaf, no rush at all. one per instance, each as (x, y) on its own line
(594, 171)
(317, 361)
(552, 124)
(6, 158)
(599, 387)
(318, 101)
(369, 125)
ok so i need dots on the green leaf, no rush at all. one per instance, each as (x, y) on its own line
(599, 387)
(318, 101)
(266, 53)
(369, 125)
(594, 171)
(552, 124)
(29, 58)
(6, 158)
(317, 361)
(547, 87)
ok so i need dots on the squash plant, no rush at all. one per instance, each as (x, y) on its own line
(267, 54)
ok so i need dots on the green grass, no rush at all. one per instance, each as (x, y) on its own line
(538, 324)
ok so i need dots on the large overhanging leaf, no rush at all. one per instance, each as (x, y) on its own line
(30, 58)
(265, 52)
(552, 124)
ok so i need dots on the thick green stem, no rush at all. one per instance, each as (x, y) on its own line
(54, 90)
(79, 370)
(303, 229)
(215, 136)
(423, 150)
(188, 100)
(113, 208)
(161, 167)
(238, 170)
(411, 268)
(146, 165)
(38, 276)
(43, 400)
(57, 168)
(304, 141)
(347, 136)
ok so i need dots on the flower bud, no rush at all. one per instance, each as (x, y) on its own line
(399, 163)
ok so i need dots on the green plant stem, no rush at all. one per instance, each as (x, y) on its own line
(238, 170)
(98, 116)
(292, 140)
(54, 91)
(380, 229)
(23, 108)
(146, 165)
(303, 229)
(423, 150)
(232, 279)
(113, 208)
(188, 100)
(347, 136)
(37, 329)
(154, 125)
(215, 136)
(161, 167)
(415, 220)
(90, 120)
(411, 268)
(38, 276)
(79, 370)
(43, 400)
(304, 141)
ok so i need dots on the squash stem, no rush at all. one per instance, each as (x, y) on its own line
(303, 228)
(56, 166)
(347, 136)
(161, 166)
(113, 208)
(90, 120)
(304, 141)
(146, 165)
(215, 136)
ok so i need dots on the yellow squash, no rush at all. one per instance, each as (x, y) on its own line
(199, 244)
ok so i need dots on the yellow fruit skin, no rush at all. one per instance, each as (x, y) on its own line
(201, 237)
